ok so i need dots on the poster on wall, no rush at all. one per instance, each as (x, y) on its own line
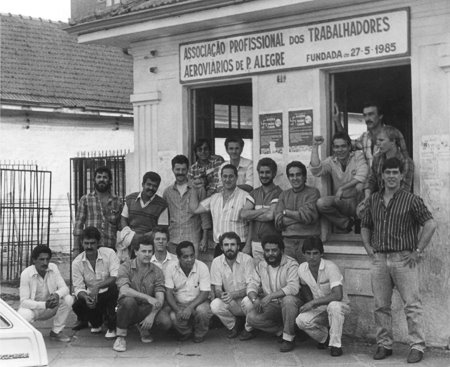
(300, 129)
(271, 133)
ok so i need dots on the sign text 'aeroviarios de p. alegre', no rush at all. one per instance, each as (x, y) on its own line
(350, 39)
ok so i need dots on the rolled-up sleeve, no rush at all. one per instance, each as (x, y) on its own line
(159, 280)
(205, 280)
(77, 277)
(123, 275)
(293, 285)
(255, 281)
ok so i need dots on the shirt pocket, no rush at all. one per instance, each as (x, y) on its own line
(325, 287)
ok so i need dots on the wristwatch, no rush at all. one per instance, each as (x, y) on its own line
(253, 300)
(284, 212)
(419, 252)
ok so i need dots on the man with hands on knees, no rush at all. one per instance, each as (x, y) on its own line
(396, 229)
(141, 297)
(272, 295)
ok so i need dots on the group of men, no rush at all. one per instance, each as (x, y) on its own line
(261, 237)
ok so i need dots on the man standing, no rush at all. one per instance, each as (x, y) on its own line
(244, 166)
(296, 212)
(390, 234)
(187, 290)
(326, 307)
(160, 238)
(275, 308)
(348, 171)
(261, 211)
(94, 274)
(44, 294)
(141, 286)
(183, 224)
(230, 273)
(100, 209)
(225, 208)
(140, 213)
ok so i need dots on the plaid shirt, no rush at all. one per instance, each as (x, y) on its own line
(91, 213)
(209, 172)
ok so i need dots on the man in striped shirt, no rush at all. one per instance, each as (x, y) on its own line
(390, 234)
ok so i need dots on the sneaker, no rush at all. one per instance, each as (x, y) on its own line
(287, 346)
(414, 356)
(96, 330)
(246, 335)
(120, 345)
(146, 338)
(336, 351)
(61, 337)
(110, 334)
(382, 353)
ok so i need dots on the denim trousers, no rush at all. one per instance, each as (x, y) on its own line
(337, 212)
(388, 271)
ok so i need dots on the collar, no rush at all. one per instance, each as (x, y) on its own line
(139, 197)
(193, 270)
(174, 186)
(168, 258)
(84, 258)
(232, 194)
(238, 258)
(35, 273)
(134, 265)
(283, 261)
(350, 157)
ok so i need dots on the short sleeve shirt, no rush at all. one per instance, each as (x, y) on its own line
(232, 279)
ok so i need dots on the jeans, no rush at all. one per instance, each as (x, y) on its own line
(131, 311)
(315, 322)
(338, 212)
(197, 323)
(227, 312)
(106, 305)
(59, 313)
(389, 270)
(277, 317)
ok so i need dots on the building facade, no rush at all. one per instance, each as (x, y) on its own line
(279, 72)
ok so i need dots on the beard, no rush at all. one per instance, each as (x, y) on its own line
(273, 260)
(102, 187)
(230, 255)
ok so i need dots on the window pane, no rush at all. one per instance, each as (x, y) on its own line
(221, 116)
(234, 117)
(246, 117)
(220, 148)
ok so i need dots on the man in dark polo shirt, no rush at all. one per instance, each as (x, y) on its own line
(261, 213)
(141, 212)
(390, 234)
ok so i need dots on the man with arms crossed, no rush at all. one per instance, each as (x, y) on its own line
(394, 240)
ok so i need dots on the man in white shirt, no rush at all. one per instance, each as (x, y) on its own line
(230, 274)
(161, 258)
(327, 307)
(94, 274)
(187, 290)
(44, 294)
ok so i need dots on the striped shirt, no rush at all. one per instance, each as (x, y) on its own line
(225, 215)
(395, 227)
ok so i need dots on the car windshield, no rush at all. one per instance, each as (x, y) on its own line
(4, 323)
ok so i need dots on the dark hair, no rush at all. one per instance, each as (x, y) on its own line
(267, 162)
(373, 103)
(91, 233)
(297, 164)
(234, 139)
(158, 229)
(146, 240)
(40, 249)
(182, 245)
(312, 243)
(180, 159)
(152, 176)
(342, 135)
(103, 169)
(231, 236)
(392, 163)
(273, 238)
(199, 143)
(229, 166)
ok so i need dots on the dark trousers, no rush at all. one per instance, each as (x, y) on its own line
(105, 306)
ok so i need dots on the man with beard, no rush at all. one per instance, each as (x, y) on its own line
(94, 274)
(140, 214)
(296, 212)
(183, 224)
(141, 286)
(261, 212)
(187, 290)
(272, 295)
(44, 294)
(348, 171)
(100, 209)
(230, 273)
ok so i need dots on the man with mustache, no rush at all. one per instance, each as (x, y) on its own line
(396, 229)
(100, 209)
(140, 214)
(94, 274)
(230, 273)
(272, 300)
(348, 171)
(44, 294)
(183, 224)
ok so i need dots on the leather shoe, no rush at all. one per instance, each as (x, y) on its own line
(233, 333)
(335, 351)
(246, 335)
(287, 346)
(198, 339)
(382, 353)
(184, 337)
(324, 345)
(414, 356)
(80, 325)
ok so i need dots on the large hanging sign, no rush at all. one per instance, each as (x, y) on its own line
(352, 39)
